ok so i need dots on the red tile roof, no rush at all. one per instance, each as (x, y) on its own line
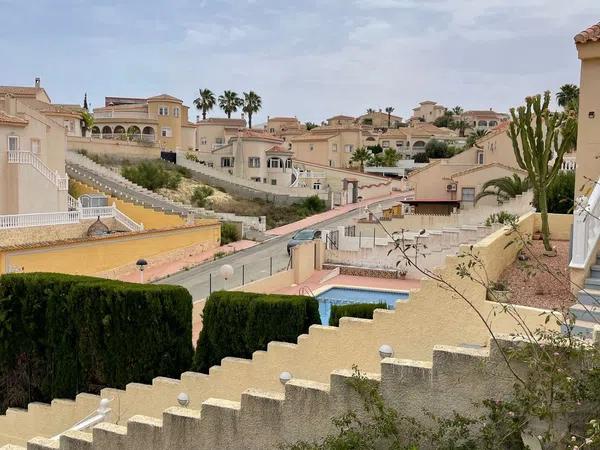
(7, 119)
(165, 97)
(591, 34)
(259, 135)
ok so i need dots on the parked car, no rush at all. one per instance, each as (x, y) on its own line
(301, 237)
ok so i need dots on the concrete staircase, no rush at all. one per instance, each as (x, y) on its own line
(106, 180)
(587, 310)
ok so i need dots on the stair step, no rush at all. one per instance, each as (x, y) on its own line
(587, 313)
(592, 282)
(589, 297)
(582, 329)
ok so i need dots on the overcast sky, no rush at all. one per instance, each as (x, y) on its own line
(309, 58)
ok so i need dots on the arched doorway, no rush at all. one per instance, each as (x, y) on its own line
(96, 132)
(134, 133)
(148, 134)
(106, 132)
(119, 130)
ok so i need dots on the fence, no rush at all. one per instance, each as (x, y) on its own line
(586, 228)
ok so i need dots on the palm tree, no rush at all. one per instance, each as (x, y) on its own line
(370, 110)
(252, 104)
(205, 102)
(474, 137)
(390, 157)
(229, 102)
(504, 188)
(361, 155)
(461, 126)
(389, 110)
(566, 95)
(457, 110)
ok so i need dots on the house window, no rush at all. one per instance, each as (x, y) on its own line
(317, 186)
(385, 144)
(274, 163)
(479, 157)
(331, 163)
(399, 144)
(166, 132)
(220, 140)
(482, 123)
(163, 111)
(13, 143)
(273, 182)
(272, 130)
(257, 179)
(492, 123)
(334, 147)
(203, 140)
(348, 148)
(468, 194)
(36, 146)
(176, 111)
(288, 163)
(226, 161)
(254, 162)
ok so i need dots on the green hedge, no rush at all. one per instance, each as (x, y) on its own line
(360, 310)
(239, 323)
(65, 334)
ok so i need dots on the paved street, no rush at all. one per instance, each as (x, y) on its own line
(253, 263)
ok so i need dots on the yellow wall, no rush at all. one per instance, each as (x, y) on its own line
(152, 220)
(113, 147)
(102, 254)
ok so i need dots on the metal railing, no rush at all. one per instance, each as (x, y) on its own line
(20, 157)
(586, 228)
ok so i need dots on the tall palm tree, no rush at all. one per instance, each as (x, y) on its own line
(461, 126)
(252, 104)
(389, 110)
(566, 95)
(370, 110)
(457, 110)
(229, 102)
(205, 102)
(474, 137)
(504, 188)
(361, 155)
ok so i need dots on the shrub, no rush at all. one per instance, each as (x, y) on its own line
(229, 233)
(360, 310)
(65, 334)
(421, 158)
(314, 204)
(201, 194)
(239, 323)
(561, 192)
(152, 175)
(503, 217)
(437, 149)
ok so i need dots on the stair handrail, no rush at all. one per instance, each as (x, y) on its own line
(23, 157)
(586, 228)
(306, 290)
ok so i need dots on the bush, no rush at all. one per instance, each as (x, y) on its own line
(314, 204)
(229, 233)
(561, 192)
(421, 158)
(152, 175)
(360, 310)
(239, 323)
(503, 217)
(437, 149)
(65, 334)
(201, 194)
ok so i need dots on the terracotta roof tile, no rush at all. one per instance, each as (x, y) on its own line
(487, 166)
(341, 117)
(283, 119)
(259, 135)
(11, 120)
(165, 97)
(591, 34)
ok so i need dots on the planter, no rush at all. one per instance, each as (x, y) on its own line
(498, 296)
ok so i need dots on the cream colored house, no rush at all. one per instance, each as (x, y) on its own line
(161, 119)
(285, 127)
(32, 160)
(379, 119)
(483, 120)
(331, 146)
(588, 137)
(216, 132)
(341, 121)
(428, 111)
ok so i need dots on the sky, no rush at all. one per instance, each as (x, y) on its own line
(306, 58)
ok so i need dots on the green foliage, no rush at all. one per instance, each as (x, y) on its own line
(153, 175)
(200, 195)
(360, 310)
(251, 105)
(239, 323)
(361, 155)
(443, 122)
(504, 188)
(375, 149)
(65, 334)
(314, 204)
(421, 158)
(561, 193)
(87, 121)
(310, 125)
(437, 149)
(205, 102)
(229, 102)
(568, 94)
(535, 133)
(503, 217)
(474, 137)
(229, 233)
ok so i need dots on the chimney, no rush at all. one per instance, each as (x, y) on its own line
(37, 82)
(10, 104)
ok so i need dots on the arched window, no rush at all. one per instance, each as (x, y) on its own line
(492, 123)
(95, 130)
(419, 144)
(482, 123)
(119, 130)
(106, 131)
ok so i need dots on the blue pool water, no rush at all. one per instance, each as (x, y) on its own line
(344, 296)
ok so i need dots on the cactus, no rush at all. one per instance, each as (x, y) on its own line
(535, 133)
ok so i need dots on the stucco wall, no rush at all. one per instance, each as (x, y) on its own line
(102, 254)
(119, 149)
(430, 317)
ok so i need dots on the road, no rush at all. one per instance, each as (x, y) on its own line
(251, 264)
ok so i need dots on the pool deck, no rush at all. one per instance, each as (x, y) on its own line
(314, 283)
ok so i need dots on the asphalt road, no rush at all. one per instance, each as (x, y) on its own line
(251, 264)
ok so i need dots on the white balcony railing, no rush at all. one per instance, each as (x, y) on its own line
(586, 228)
(19, 157)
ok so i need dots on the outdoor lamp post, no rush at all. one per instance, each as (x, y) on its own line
(226, 271)
(141, 265)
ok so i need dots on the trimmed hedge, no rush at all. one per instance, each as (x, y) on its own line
(360, 310)
(65, 334)
(239, 323)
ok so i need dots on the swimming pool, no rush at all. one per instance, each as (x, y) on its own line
(344, 296)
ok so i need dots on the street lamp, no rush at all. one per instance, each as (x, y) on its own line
(141, 265)
(226, 271)
(386, 351)
(284, 377)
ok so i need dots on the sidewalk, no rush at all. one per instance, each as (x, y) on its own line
(332, 213)
(158, 269)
